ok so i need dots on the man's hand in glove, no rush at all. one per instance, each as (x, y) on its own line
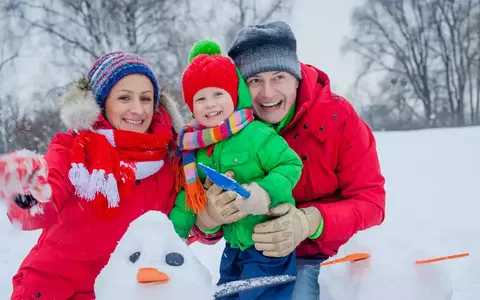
(280, 236)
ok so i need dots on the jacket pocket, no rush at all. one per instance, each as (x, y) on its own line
(244, 166)
(234, 159)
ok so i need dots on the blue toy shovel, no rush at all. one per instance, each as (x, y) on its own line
(224, 182)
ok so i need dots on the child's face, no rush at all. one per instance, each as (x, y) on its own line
(212, 106)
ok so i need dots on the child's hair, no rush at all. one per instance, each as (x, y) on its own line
(208, 68)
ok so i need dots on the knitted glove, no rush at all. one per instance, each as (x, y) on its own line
(280, 236)
(220, 207)
(205, 238)
(23, 176)
(257, 204)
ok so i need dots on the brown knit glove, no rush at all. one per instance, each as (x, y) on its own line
(220, 207)
(280, 236)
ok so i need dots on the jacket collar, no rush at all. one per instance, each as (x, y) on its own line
(315, 103)
(314, 84)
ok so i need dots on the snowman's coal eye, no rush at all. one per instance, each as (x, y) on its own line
(174, 259)
(134, 257)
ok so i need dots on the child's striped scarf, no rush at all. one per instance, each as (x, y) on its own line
(195, 136)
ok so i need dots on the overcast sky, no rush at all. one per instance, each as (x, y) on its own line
(320, 27)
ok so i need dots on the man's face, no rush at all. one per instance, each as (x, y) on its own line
(273, 95)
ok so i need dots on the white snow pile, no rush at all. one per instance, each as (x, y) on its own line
(389, 273)
(432, 179)
(433, 210)
(152, 262)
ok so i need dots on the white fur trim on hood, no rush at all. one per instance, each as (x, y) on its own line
(79, 109)
(167, 101)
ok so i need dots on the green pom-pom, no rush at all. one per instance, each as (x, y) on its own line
(204, 47)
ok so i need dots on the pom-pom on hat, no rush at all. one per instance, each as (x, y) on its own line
(208, 68)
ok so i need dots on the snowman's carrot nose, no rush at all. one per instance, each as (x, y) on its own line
(426, 261)
(351, 257)
(149, 275)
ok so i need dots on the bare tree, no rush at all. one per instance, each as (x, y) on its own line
(80, 31)
(12, 123)
(251, 12)
(42, 127)
(457, 47)
(476, 71)
(11, 39)
(390, 109)
(394, 37)
(76, 32)
(431, 44)
(31, 128)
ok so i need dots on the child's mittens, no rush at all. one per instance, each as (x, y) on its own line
(24, 173)
(257, 204)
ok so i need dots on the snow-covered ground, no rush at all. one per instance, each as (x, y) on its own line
(432, 210)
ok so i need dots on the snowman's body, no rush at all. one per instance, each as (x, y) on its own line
(152, 262)
(389, 273)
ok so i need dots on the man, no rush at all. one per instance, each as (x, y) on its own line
(341, 190)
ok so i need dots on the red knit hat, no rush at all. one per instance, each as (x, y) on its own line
(209, 69)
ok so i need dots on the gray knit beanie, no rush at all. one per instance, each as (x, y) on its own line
(266, 48)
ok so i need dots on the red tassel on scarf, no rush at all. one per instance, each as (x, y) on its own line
(103, 167)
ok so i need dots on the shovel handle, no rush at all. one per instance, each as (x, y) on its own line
(243, 192)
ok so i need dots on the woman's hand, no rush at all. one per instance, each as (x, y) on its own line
(220, 207)
(280, 236)
(24, 173)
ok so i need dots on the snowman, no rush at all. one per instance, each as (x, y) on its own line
(390, 272)
(152, 262)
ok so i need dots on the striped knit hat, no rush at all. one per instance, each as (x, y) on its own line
(112, 67)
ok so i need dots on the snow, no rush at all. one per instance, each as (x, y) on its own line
(389, 270)
(151, 238)
(432, 210)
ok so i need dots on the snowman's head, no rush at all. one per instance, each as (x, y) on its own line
(151, 262)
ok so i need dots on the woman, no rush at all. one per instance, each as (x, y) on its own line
(112, 166)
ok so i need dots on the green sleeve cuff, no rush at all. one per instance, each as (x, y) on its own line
(211, 231)
(319, 231)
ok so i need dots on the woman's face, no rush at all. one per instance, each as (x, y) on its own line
(129, 106)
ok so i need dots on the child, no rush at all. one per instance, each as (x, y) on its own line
(225, 137)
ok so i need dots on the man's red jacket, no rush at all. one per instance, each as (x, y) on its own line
(341, 175)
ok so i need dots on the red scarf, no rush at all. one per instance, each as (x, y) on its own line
(105, 163)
